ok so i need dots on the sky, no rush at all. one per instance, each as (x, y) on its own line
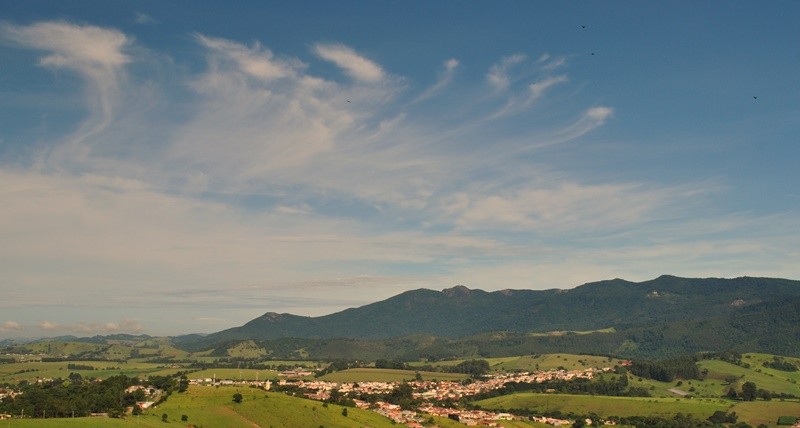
(183, 167)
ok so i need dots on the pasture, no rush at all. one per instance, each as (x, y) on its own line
(766, 412)
(605, 406)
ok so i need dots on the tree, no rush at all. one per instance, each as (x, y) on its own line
(344, 411)
(164, 417)
(184, 418)
(183, 384)
(237, 398)
(749, 391)
(720, 417)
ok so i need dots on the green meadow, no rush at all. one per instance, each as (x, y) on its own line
(213, 406)
(766, 378)
(766, 412)
(752, 412)
(605, 406)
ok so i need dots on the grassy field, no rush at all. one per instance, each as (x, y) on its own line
(15, 372)
(766, 412)
(213, 407)
(76, 423)
(605, 406)
(752, 412)
(386, 375)
(769, 379)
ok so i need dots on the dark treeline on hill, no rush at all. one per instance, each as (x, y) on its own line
(666, 370)
(667, 316)
(779, 363)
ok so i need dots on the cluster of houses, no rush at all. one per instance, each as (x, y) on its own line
(439, 390)
(8, 393)
(149, 392)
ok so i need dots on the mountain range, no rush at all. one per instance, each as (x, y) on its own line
(663, 316)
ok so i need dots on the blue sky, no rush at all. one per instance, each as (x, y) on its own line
(177, 167)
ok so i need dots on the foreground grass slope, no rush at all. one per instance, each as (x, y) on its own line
(214, 407)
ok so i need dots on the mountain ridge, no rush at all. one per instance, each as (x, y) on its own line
(460, 311)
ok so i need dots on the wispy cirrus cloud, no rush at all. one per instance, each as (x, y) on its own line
(548, 63)
(143, 19)
(356, 66)
(498, 75)
(97, 54)
(535, 91)
(445, 77)
(254, 61)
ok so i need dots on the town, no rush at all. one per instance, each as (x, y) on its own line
(427, 392)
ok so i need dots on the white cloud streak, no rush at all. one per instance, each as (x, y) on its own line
(355, 65)
(444, 79)
(498, 76)
(143, 19)
(255, 61)
(97, 54)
